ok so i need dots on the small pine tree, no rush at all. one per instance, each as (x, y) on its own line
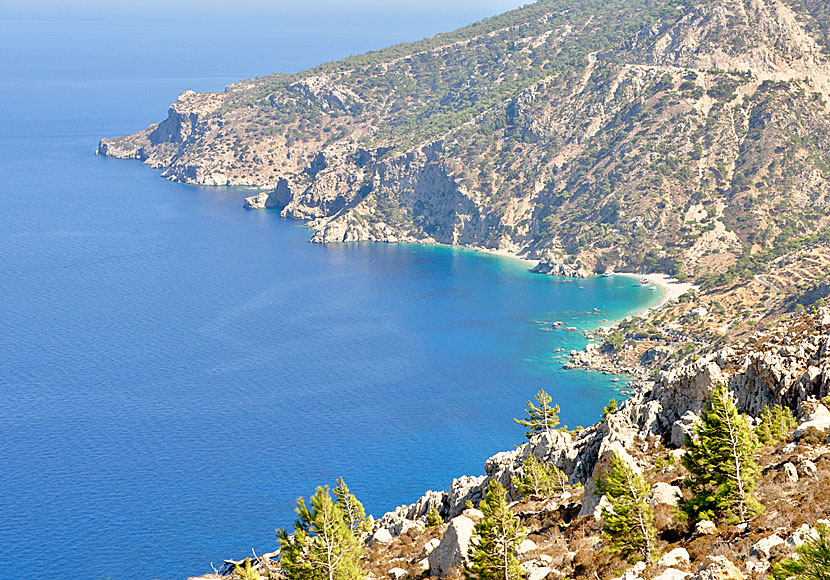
(776, 424)
(323, 546)
(498, 537)
(610, 408)
(811, 560)
(248, 572)
(434, 518)
(353, 511)
(541, 419)
(720, 460)
(630, 521)
(540, 478)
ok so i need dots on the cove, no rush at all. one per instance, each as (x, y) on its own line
(176, 370)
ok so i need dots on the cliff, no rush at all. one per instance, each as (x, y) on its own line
(788, 364)
(639, 134)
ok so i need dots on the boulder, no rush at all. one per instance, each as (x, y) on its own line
(473, 514)
(536, 570)
(421, 567)
(634, 572)
(664, 493)
(801, 535)
(706, 528)
(397, 573)
(382, 536)
(452, 551)
(257, 201)
(430, 546)
(808, 468)
(818, 419)
(526, 546)
(791, 472)
(683, 427)
(672, 574)
(718, 568)
(762, 548)
(677, 557)
(462, 490)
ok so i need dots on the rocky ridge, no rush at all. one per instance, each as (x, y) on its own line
(788, 364)
(641, 135)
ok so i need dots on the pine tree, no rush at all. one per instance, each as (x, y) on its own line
(323, 547)
(720, 460)
(434, 518)
(541, 419)
(353, 511)
(540, 478)
(811, 560)
(498, 537)
(630, 521)
(776, 424)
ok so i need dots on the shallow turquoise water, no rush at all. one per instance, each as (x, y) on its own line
(175, 371)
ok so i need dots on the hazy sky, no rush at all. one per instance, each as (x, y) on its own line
(207, 8)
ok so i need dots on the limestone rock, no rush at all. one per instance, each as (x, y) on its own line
(382, 536)
(677, 557)
(808, 468)
(706, 528)
(718, 568)
(257, 201)
(683, 427)
(397, 573)
(818, 419)
(430, 546)
(473, 514)
(526, 546)
(672, 574)
(664, 493)
(801, 535)
(536, 570)
(452, 551)
(791, 472)
(421, 566)
(762, 548)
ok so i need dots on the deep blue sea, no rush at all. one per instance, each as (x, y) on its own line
(174, 370)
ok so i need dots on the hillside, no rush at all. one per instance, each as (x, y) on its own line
(787, 365)
(654, 135)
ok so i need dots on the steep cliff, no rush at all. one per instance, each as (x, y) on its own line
(648, 134)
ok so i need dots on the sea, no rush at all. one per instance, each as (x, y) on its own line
(175, 371)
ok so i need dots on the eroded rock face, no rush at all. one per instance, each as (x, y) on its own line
(664, 408)
(454, 547)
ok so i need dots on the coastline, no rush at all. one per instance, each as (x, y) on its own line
(672, 288)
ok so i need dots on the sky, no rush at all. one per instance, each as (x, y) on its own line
(200, 9)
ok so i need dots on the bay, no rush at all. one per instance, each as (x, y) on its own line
(175, 371)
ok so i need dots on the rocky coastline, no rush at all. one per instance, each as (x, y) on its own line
(788, 365)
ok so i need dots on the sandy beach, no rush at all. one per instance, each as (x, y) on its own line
(672, 288)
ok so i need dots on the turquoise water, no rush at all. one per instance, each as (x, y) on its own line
(175, 370)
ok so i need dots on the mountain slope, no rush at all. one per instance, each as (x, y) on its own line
(647, 134)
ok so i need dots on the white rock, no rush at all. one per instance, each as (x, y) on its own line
(663, 493)
(801, 535)
(791, 472)
(453, 548)
(382, 536)
(397, 573)
(421, 566)
(818, 418)
(706, 528)
(430, 546)
(762, 548)
(672, 574)
(682, 427)
(546, 559)
(808, 468)
(633, 573)
(539, 573)
(526, 546)
(473, 514)
(677, 557)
